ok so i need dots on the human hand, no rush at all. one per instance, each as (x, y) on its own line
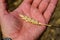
(17, 29)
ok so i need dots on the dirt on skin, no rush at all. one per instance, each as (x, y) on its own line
(51, 33)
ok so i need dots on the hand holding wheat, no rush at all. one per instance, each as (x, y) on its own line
(17, 29)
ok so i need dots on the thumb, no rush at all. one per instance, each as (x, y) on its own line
(2, 7)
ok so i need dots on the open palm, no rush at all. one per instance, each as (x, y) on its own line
(16, 28)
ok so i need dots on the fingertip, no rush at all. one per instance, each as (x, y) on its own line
(43, 5)
(36, 3)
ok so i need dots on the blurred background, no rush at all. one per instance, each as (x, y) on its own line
(51, 33)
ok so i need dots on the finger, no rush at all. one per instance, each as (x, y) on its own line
(50, 9)
(43, 5)
(36, 3)
(2, 7)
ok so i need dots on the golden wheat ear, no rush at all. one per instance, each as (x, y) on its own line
(30, 20)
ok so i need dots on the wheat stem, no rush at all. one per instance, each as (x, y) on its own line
(27, 19)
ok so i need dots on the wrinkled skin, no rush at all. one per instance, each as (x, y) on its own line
(16, 28)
